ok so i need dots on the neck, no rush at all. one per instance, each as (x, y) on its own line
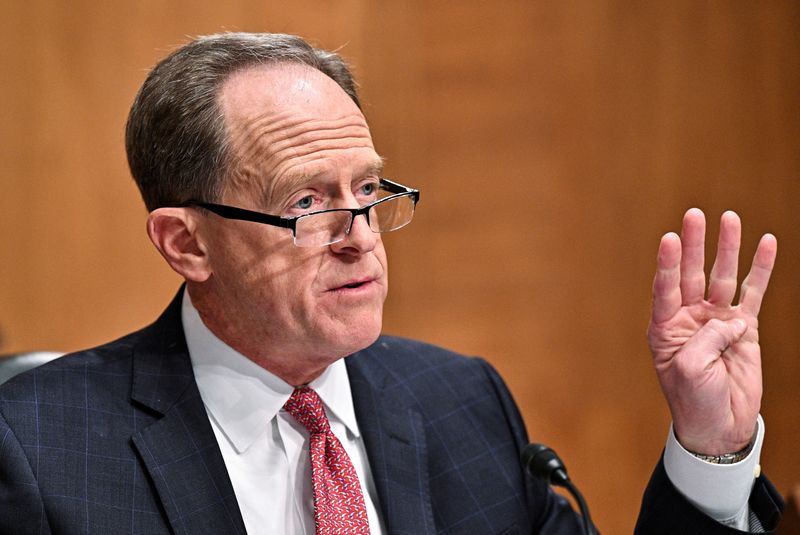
(296, 370)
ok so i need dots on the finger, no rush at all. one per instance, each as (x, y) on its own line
(755, 284)
(711, 341)
(666, 284)
(693, 279)
(722, 282)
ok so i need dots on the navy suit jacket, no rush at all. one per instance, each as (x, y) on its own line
(116, 440)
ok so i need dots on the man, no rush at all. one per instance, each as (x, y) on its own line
(235, 411)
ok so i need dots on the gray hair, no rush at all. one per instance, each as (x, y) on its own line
(175, 137)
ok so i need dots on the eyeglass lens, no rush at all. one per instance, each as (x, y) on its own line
(330, 227)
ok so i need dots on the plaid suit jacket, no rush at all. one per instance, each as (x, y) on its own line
(115, 440)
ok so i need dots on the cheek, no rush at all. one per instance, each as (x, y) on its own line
(290, 279)
(254, 258)
(380, 254)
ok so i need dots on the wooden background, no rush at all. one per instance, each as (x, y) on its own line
(554, 143)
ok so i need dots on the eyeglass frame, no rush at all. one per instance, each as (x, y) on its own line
(243, 214)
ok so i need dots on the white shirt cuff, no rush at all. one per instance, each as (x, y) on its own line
(719, 490)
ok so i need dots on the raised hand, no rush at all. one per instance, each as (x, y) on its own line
(705, 349)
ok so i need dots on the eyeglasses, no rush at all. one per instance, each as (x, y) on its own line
(325, 227)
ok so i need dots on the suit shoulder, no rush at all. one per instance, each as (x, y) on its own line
(413, 362)
(109, 358)
(437, 382)
(416, 352)
(95, 356)
(98, 364)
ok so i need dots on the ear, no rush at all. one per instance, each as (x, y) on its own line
(174, 233)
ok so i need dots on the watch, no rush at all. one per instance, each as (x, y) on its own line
(727, 458)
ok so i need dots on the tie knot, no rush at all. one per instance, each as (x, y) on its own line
(305, 406)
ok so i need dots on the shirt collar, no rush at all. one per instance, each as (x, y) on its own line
(241, 396)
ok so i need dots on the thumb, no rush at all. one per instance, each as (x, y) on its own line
(715, 337)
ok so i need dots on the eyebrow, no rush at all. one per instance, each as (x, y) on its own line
(376, 167)
(296, 182)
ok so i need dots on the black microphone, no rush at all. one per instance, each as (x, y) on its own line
(543, 463)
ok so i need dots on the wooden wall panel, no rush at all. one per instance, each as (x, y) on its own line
(554, 142)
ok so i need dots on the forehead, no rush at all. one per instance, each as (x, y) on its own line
(284, 118)
(282, 92)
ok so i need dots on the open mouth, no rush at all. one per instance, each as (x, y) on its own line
(353, 285)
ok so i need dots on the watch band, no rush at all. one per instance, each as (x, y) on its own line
(728, 458)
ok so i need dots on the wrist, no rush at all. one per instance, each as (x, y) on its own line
(728, 457)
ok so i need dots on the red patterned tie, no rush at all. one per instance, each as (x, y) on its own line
(338, 504)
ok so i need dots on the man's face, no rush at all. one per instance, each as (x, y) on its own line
(300, 144)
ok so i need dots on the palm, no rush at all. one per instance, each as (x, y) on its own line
(706, 350)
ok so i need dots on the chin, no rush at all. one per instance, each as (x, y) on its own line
(357, 337)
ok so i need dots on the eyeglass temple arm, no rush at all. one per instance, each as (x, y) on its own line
(232, 212)
(394, 187)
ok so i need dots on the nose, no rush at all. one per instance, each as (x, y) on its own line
(360, 240)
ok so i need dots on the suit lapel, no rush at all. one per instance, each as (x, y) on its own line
(179, 449)
(394, 437)
(181, 455)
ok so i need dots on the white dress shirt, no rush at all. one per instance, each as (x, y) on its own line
(266, 450)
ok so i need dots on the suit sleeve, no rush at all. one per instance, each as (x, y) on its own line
(21, 506)
(665, 510)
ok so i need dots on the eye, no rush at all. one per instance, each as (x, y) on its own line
(305, 203)
(369, 189)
